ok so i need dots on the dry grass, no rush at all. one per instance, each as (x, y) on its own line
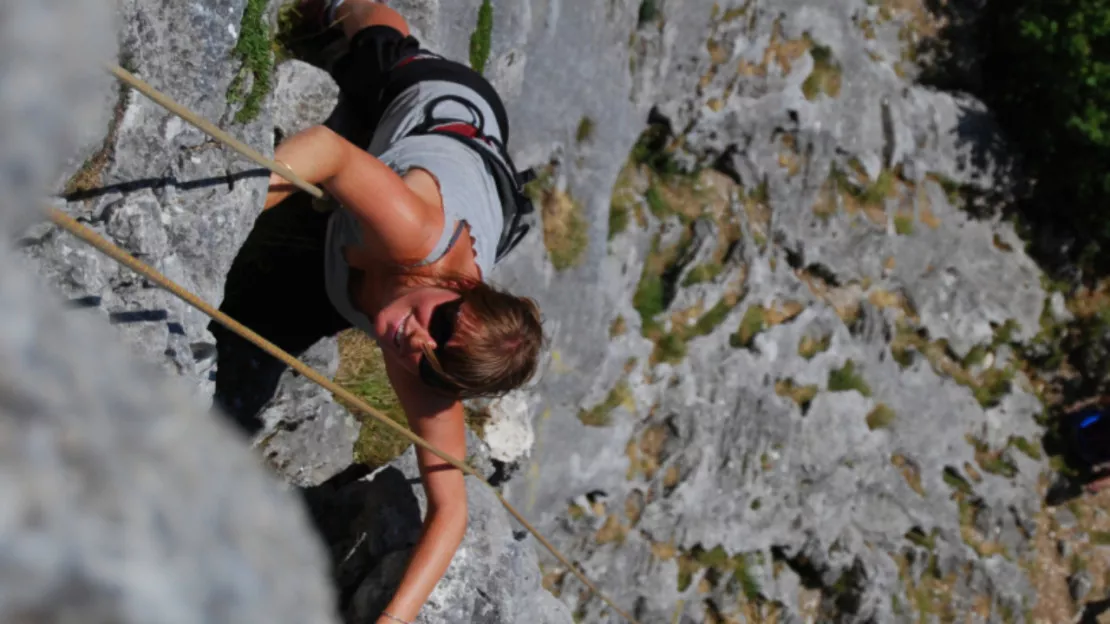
(645, 455)
(910, 472)
(826, 77)
(90, 176)
(1048, 570)
(362, 371)
(618, 327)
(882, 417)
(801, 395)
(784, 52)
(564, 223)
(809, 346)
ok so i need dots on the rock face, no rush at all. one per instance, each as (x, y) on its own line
(122, 501)
(816, 414)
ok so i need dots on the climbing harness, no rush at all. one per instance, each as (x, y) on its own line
(87, 235)
(516, 206)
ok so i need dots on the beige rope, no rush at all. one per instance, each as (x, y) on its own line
(119, 255)
(211, 130)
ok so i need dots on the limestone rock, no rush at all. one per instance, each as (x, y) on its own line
(122, 501)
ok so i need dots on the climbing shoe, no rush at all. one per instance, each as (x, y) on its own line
(308, 31)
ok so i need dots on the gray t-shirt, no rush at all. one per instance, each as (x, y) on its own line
(468, 190)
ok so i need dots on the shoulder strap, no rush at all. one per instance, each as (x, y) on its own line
(515, 203)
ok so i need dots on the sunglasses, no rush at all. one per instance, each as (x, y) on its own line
(441, 327)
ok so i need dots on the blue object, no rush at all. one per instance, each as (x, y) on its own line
(1090, 420)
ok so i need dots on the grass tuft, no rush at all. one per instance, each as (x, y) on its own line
(480, 38)
(585, 130)
(809, 347)
(600, 415)
(703, 273)
(846, 378)
(564, 222)
(801, 395)
(255, 51)
(754, 321)
(882, 417)
(362, 372)
(826, 77)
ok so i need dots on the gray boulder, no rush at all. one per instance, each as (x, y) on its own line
(122, 501)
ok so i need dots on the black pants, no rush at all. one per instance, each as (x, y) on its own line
(276, 288)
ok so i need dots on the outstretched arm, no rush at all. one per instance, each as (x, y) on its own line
(440, 422)
(396, 221)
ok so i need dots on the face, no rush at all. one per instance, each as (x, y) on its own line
(418, 317)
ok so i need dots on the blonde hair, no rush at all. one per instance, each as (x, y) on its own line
(495, 347)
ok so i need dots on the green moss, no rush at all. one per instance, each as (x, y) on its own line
(1101, 538)
(671, 348)
(903, 224)
(648, 300)
(749, 585)
(809, 347)
(993, 385)
(480, 38)
(878, 191)
(920, 538)
(1030, 448)
(754, 321)
(712, 319)
(956, 481)
(975, 357)
(649, 11)
(255, 52)
(761, 193)
(618, 219)
(585, 130)
(600, 415)
(826, 76)
(998, 465)
(702, 273)
(656, 204)
(846, 378)
(1005, 333)
(721, 567)
(881, 417)
(377, 444)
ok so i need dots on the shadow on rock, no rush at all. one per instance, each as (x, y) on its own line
(368, 523)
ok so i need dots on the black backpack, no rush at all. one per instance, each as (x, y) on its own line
(516, 206)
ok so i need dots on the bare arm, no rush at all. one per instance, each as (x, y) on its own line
(396, 221)
(441, 423)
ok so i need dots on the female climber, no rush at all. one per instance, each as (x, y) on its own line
(414, 160)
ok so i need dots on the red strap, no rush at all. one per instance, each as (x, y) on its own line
(464, 129)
